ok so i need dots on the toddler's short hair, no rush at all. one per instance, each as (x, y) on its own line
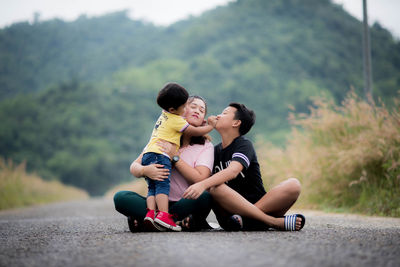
(172, 95)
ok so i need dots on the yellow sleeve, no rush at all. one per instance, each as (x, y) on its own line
(179, 124)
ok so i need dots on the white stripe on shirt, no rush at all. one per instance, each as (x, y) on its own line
(242, 156)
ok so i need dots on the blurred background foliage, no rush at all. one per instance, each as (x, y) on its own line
(19, 188)
(346, 156)
(77, 99)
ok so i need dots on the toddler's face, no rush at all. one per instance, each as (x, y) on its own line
(181, 110)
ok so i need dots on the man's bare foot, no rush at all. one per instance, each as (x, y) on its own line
(280, 222)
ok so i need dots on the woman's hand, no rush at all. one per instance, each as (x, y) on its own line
(194, 191)
(167, 148)
(156, 172)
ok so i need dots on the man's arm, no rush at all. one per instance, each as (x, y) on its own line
(195, 190)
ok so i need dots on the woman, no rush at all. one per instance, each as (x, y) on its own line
(193, 163)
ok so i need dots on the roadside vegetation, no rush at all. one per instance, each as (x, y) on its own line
(137, 185)
(19, 188)
(347, 157)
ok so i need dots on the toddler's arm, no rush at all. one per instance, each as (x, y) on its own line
(200, 130)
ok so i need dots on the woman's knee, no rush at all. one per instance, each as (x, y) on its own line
(118, 196)
(206, 197)
(204, 203)
(122, 196)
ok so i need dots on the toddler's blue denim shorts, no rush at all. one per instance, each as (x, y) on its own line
(157, 187)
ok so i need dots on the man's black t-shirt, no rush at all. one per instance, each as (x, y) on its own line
(248, 183)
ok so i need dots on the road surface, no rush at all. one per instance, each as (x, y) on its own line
(92, 233)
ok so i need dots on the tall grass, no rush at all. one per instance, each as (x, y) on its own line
(347, 157)
(18, 188)
(138, 185)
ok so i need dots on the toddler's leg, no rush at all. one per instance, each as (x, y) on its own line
(151, 202)
(162, 187)
(162, 202)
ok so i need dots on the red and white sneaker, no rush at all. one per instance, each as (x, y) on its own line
(149, 223)
(164, 219)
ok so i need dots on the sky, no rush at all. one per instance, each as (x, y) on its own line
(165, 12)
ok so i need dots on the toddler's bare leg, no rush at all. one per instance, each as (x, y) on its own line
(162, 202)
(151, 202)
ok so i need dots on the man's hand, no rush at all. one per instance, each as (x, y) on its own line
(194, 191)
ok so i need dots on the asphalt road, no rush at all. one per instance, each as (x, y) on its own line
(91, 233)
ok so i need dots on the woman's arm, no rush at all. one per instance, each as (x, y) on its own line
(152, 171)
(191, 174)
(136, 168)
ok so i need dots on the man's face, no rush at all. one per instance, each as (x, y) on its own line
(226, 119)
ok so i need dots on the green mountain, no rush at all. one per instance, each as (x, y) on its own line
(78, 98)
(33, 57)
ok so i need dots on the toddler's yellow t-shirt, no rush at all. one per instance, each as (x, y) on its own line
(169, 127)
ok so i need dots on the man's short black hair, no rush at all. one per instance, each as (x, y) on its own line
(245, 115)
(172, 95)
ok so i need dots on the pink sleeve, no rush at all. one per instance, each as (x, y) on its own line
(206, 156)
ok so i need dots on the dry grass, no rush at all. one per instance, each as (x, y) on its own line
(347, 157)
(18, 188)
(139, 186)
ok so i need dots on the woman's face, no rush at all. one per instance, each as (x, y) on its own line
(195, 112)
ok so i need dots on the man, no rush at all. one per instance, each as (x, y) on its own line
(236, 184)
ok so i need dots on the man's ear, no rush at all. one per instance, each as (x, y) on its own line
(171, 110)
(236, 123)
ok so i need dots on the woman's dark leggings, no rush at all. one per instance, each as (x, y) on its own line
(133, 205)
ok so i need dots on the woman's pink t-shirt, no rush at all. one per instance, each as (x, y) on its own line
(195, 155)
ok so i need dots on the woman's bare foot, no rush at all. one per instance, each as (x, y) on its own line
(133, 224)
(185, 223)
(189, 223)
